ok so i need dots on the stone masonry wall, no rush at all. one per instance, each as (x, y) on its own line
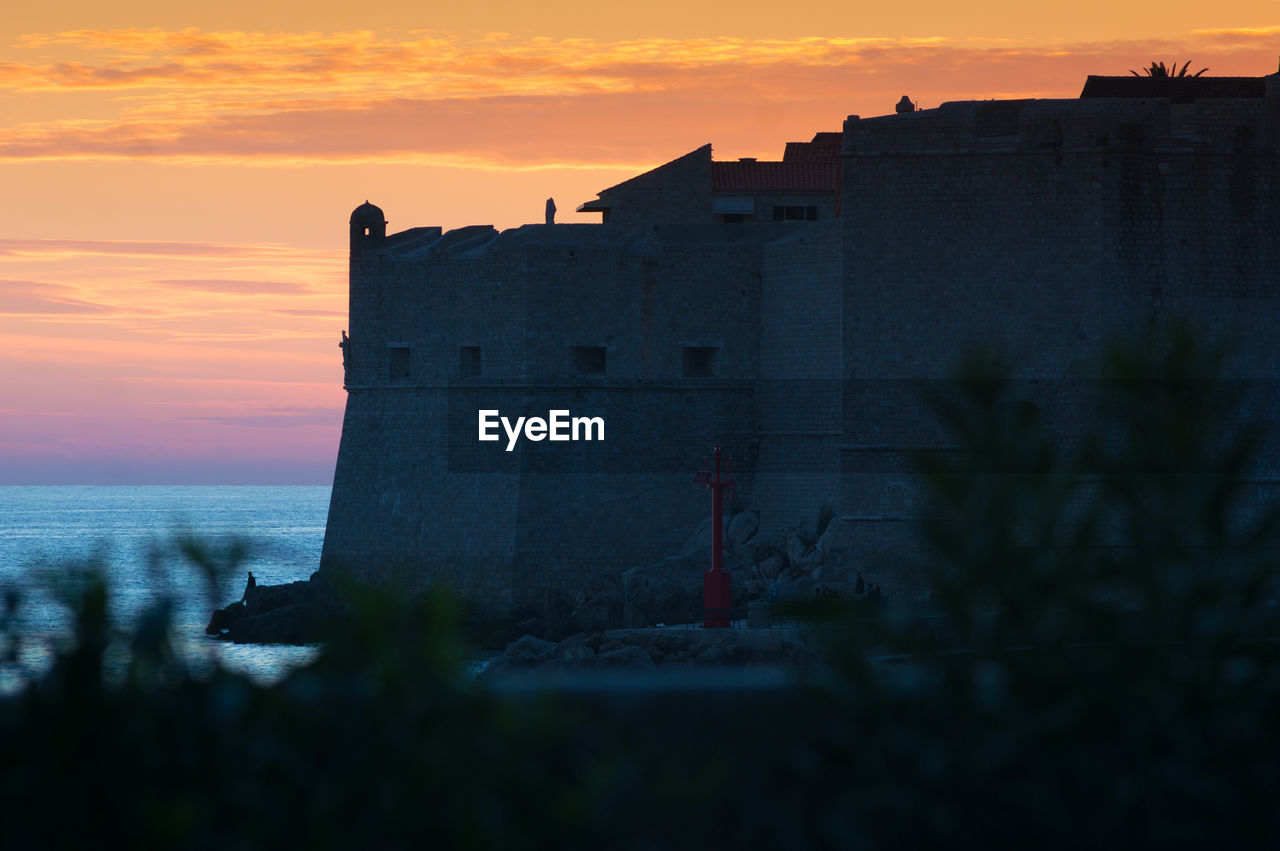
(1049, 225)
(415, 489)
(800, 346)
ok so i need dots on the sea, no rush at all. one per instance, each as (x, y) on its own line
(148, 543)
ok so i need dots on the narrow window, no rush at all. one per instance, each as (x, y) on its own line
(588, 360)
(398, 363)
(469, 361)
(698, 361)
(366, 231)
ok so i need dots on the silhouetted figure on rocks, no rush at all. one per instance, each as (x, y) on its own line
(249, 586)
(551, 211)
(859, 585)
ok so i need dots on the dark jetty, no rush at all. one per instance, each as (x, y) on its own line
(296, 613)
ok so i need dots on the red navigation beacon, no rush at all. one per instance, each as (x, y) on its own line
(716, 596)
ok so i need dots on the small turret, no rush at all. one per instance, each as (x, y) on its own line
(368, 227)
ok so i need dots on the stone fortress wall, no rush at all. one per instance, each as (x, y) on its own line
(783, 309)
(415, 489)
(1049, 225)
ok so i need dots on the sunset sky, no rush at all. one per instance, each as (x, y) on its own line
(176, 184)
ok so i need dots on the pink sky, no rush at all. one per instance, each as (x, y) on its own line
(177, 183)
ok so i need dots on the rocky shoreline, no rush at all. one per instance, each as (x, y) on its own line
(649, 649)
(308, 612)
(304, 612)
(603, 626)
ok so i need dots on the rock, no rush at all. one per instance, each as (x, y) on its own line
(225, 619)
(738, 533)
(528, 651)
(629, 656)
(499, 639)
(743, 528)
(739, 653)
(669, 591)
(597, 611)
(672, 641)
(833, 545)
(710, 655)
(568, 611)
(799, 591)
(770, 567)
(300, 623)
(797, 553)
(575, 650)
(264, 598)
(294, 613)
(700, 540)
(557, 607)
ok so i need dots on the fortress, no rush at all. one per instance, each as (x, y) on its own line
(783, 309)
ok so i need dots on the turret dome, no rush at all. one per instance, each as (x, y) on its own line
(368, 214)
(368, 227)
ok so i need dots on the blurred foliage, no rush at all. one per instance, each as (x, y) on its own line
(1100, 671)
(1109, 675)
(381, 742)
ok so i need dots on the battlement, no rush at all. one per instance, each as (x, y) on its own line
(1054, 127)
(787, 309)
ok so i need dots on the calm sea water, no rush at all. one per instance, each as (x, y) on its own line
(45, 531)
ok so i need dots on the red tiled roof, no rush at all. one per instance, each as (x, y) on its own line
(824, 147)
(775, 176)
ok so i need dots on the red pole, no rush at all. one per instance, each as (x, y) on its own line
(716, 587)
(717, 518)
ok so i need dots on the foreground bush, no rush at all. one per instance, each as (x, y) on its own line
(1110, 679)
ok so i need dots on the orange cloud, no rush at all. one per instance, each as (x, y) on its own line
(214, 285)
(133, 248)
(245, 306)
(34, 297)
(296, 98)
(169, 345)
